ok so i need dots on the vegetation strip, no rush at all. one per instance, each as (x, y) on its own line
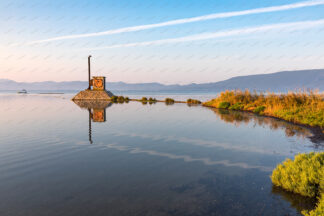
(305, 176)
(305, 108)
(145, 100)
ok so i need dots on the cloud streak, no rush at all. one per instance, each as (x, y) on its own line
(185, 20)
(221, 34)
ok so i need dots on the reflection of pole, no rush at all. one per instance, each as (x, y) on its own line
(89, 71)
(90, 138)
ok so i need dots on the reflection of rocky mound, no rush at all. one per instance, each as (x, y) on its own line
(93, 95)
(93, 104)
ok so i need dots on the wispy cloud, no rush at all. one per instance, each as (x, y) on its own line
(221, 34)
(186, 20)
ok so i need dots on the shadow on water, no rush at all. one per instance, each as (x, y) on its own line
(239, 118)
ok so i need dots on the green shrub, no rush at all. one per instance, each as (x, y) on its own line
(259, 110)
(144, 98)
(224, 105)
(193, 101)
(126, 99)
(169, 101)
(152, 100)
(237, 106)
(209, 103)
(303, 175)
(120, 99)
(114, 98)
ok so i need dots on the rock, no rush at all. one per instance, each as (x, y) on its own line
(93, 95)
(93, 104)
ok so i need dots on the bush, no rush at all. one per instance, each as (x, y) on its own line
(126, 99)
(193, 101)
(152, 100)
(120, 99)
(113, 98)
(144, 98)
(303, 175)
(224, 105)
(237, 106)
(259, 110)
(169, 101)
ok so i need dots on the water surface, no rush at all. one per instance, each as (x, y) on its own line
(62, 158)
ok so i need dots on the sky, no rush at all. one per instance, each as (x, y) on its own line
(166, 41)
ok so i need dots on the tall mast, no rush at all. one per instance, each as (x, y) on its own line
(89, 71)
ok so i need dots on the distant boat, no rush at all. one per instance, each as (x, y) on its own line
(22, 91)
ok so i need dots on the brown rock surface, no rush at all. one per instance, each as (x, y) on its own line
(93, 95)
(93, 104)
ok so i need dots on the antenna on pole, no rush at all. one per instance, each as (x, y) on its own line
(89, 79)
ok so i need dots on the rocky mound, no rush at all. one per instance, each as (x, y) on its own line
(93, 95)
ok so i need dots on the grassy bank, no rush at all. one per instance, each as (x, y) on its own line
(305, 176)
(299, 107)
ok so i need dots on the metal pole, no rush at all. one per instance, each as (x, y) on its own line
(90, 130)
(89, 71)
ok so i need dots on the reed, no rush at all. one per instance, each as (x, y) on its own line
(304, 107)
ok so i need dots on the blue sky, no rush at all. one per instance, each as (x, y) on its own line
(24, 24)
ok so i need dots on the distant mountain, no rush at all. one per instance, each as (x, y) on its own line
(280, 81)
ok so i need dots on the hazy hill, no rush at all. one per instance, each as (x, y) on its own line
(280, 81)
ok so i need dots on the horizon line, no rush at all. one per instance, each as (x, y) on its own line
(174, 83)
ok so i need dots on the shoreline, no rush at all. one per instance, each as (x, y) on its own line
(317, 133)
(317, 136)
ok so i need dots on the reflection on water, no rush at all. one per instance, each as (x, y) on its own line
(297, 201)
(242, 118)
(143, 160)
(97, 112)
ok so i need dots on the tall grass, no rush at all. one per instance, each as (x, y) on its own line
(304, 107)
(303, 175)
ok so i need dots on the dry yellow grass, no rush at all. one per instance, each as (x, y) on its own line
(304, 107)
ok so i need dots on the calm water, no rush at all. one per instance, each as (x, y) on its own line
(60, 158)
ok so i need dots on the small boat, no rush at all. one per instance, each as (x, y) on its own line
(23, 91)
